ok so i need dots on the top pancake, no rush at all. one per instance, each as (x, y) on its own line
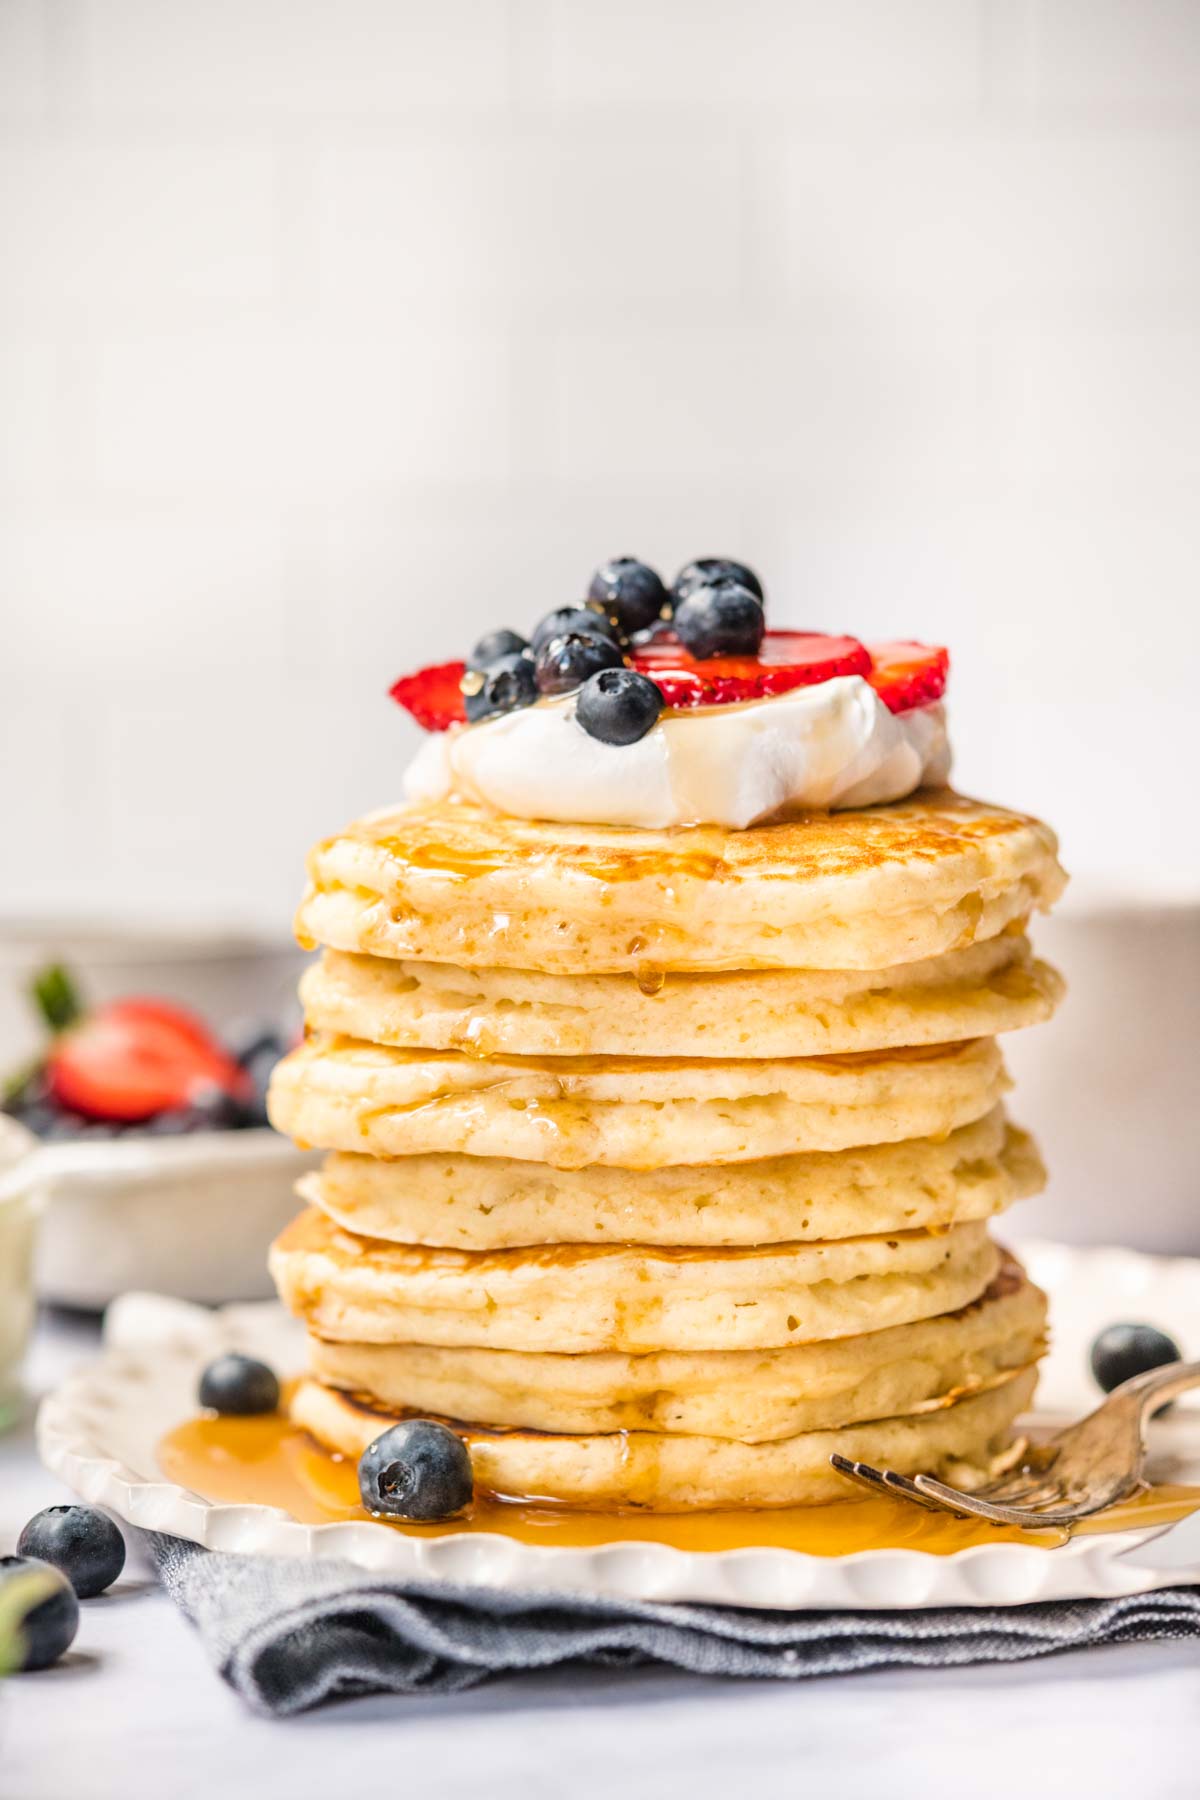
(849, 890)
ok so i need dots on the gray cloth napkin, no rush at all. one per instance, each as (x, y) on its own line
(289, 1634)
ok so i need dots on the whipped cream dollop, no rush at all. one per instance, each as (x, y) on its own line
(831, 745)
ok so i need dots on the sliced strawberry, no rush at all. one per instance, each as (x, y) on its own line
(907, 675)
(433, 696)
(788, 659)
(135, 1058)
(903, 675)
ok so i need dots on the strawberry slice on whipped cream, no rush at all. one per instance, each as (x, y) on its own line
(904, 675)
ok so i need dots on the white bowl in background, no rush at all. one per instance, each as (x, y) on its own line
(20, 1199)
(1110, 1087)
(191, 1217)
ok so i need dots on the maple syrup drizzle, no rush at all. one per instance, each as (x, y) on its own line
(268, 1461)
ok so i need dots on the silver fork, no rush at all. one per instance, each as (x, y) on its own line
(1066, 1477)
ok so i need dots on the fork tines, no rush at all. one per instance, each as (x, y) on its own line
(886, 1481)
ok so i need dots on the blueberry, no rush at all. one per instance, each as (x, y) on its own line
(49, 1627)
(65, 1127)
(417, 1470)
(239, 1384)
(38, 1116)
(250, 1048)
(566, 662)
(214, 1110)
(618, 706)
(504, 686)
(706, 571)
(177, 1121)
(1122, 1351)
(724, 620)
(592, 619)
(631, 592)
(258, 1058)
(494, 644)
(81, 1542)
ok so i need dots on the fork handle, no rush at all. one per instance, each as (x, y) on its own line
(1161, 1384)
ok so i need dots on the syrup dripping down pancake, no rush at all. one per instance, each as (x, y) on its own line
(493, 1203)
(752, 1395)
(636, 1113)
(575, 1297)
(853, 890)
(989, 987)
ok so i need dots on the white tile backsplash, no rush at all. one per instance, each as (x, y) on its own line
(31, 418)
(955, 222)
(871, 405)
(23, 60)
(790, 53)
(332, 331)
(135, 227)
(258, 59)
(1112, 55)
(536, 218)
(225, 412)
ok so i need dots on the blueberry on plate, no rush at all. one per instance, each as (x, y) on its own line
(504, 686)
(566, 662)
(1122, 1351)
(723, 620)
(81, 1542)
(239, 1385)
(706, 571)
(49, 1627)
(618, 706)
(494, 644)
(563, 619)
(631, 592)
(419, 1469)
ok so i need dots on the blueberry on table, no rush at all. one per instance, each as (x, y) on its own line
(707, 571)
(631, 592)
(239, 1386)
(49, 1627)
(723, 620)
(618, 706)
(504, 686)
(494, 644)
(1122, 1351)
(566, 662)
(419, 1470)
(81, 1542)
(563, 619)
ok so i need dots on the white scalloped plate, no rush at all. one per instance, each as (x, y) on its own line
(100, 1431)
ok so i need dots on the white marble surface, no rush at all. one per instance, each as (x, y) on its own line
(135, 1711)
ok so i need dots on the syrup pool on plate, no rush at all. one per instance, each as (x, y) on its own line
(268, 1462)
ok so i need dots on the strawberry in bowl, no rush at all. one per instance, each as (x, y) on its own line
(135, 1065)
(151, 1149)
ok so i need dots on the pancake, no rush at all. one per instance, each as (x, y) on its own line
(752, 1395)
(855, 890)
(665, 1472)
(986, 988)
(575, 1298)
(483, 1203)
(340, 1094)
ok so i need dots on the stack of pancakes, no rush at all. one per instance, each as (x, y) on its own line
(662, 1163)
